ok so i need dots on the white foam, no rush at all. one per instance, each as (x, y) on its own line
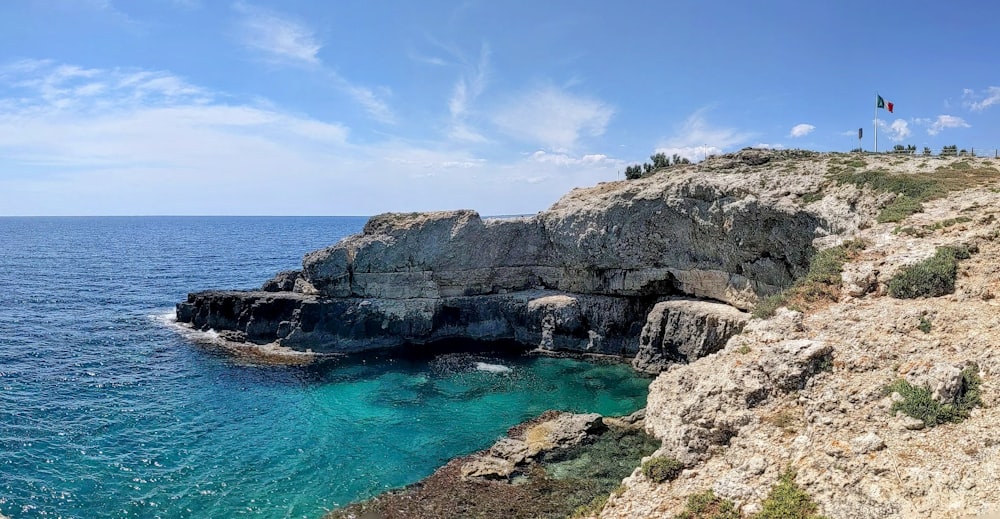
(168, 318)
(492, 368)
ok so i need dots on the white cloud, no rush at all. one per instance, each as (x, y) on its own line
(979, 102)
(563, 159)
(801, 130)
(896, 131)
(696, 139)
(148, 142)
(553, 118)
(946, 121)
(278, 38)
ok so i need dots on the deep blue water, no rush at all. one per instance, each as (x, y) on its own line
(107, 411)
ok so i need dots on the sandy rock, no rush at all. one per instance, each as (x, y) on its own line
(859, 278)
(866, 443)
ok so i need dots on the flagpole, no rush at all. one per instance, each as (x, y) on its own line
(876, 122)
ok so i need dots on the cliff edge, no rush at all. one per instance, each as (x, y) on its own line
(590, 274)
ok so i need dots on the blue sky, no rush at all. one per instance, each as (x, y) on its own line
(356, 107)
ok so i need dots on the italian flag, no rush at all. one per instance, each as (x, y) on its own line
(882, 103)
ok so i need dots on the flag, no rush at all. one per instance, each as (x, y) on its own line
(882, 103)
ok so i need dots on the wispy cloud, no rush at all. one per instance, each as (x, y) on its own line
(946, 121)
(468, 87)
(696, 139)
(801, 130)
(124, 119)
(979, 101)
(281, 40)
(276, 37)
(563, 159)
(553, 118)
(79, 140)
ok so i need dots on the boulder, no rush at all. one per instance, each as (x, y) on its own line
(683, 330)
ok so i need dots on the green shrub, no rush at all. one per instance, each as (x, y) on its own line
(932, 277)
(900, 207)
(662, 468)
(594, 507)
(787, 501)
(707, 505)
(821, 282)
(918, 403)
(925, 325)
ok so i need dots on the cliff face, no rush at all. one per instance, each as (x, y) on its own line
(580, 276)
(811, 391)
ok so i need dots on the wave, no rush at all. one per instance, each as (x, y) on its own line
(492, 368)
(168, 319)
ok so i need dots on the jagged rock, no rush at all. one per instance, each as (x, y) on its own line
(858, 279)
(636, 420)
(282, 281)
(558, 432)
(607, 254)
(683, 330)
(693, 410)
(599, 324)
(564, 431)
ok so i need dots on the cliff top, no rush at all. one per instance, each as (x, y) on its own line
(843, 432)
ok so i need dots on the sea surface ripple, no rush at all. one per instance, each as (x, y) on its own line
(107, 411)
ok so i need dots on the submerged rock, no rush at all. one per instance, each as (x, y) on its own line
(580, 461)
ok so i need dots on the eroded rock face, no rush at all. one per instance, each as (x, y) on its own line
(580, 276)
(683, 330)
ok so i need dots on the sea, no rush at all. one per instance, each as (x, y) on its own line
(109, 408)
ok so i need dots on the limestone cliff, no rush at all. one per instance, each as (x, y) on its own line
(581, 276)
(661, 269)
(810, 391)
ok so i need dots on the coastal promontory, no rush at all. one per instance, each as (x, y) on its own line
(822, 325)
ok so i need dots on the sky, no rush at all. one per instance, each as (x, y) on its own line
(357, 107)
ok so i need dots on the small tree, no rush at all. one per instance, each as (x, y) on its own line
(633, 172)
(660, 160)
(927, 151)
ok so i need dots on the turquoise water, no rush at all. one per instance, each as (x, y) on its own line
(107, 411)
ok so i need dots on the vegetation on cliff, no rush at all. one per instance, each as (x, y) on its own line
(919, 402)
(932, 277)
(911, 189)
(820, 284)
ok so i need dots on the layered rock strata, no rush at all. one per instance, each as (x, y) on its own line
(581, 276)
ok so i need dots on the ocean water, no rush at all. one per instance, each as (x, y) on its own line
(106, 410)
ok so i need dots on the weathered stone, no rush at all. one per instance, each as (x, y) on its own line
(858, 279)
(282, 281)
(866, 443)
(683, 330)
(943, 380)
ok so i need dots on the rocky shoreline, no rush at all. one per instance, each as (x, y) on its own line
(553, 466)
(663, 271)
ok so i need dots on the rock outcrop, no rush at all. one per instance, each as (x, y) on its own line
(683, 330)
(581, 276)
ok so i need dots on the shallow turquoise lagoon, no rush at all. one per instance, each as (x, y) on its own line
(107, 411)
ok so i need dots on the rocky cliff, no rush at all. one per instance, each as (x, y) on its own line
(581, 276)
(857, 402)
